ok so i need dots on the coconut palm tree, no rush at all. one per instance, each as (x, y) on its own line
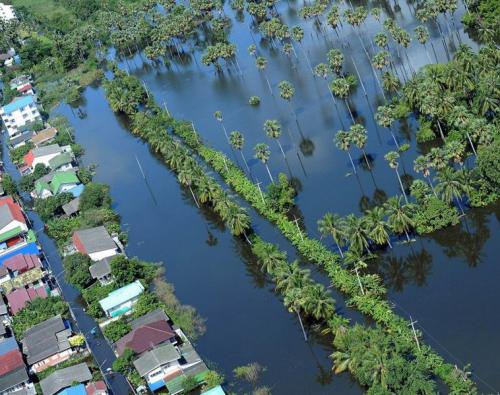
(237, 141)
(392, 158)
(188, 175)
(335, 60)
(399, 215)
(390, 82)
(455, 150)
(317, 302)
(452, 185)
(385, 116)
(356, 233)
(271, 258)
(343, 141)
(341, 87)
(272, 128)
(261, 63)
(379, 228)
(359, 137)
(333, 225)
(262, 153)
(218, 116)
(236, 219)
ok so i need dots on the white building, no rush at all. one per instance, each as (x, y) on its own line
(7, 12)
(18, 113)
(44, 154)
(95, 242)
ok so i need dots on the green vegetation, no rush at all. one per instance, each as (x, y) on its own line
(76, 270)
(37, 311)
(116, 330)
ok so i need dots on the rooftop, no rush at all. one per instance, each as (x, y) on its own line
(43, 136)
(10, 211)
(10, 361)
(100, 269)
(63, 378)
(21, 262)
(155, 358)
(13, 378)
(8, 344)
(60, 160)
(46, 150)
(45, 339)
(95, 239)
(18, 298)
(21, 138)
(17, 104)
(72, 207)
(23, 279)
(145, 337)
(61, 178)
(121, 295)
(153, 316)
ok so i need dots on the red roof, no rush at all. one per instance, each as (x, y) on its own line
(11, 361)
(18, 298)
(145, 337)
(29, 158)
(96, 388)
(15, 209)
(24, 88)
(22, 263)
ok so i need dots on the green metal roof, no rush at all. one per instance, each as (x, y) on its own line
(174, 386)
(61, 178)
(121, 295)
(40, 186)
(60, 160)
(10, 233)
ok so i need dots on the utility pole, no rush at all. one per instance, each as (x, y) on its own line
(296, 220)
(412, 323)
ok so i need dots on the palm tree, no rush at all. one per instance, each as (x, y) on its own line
(356, 233)
(297, 34)
(341, 87)
(335, 60)
(398, 215)
(390, 82)
(273, 130)
(317, 302)
(293, 301)
(381, 59)
(343, 141)
(333, 225)
(218, 116)
(187, 175)
(236, 219)
(378, 226)
(262, 152)
(385, 116)
(261, 63)
(421, 165)
(359, 137)
(422, 35)
(381, 40)
(455, 150)
(271, 258)
(286, 92)
(392, 158)
(452, 185)
(237, 141)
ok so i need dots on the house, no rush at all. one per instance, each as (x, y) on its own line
(61, 162)
(168, 365)
(18, 298)
(214, 391)
(44, 154)
(153, 316)
(64, 378)
(4, 275)
(13, 375)
(20, 80)
(3, 331)
(101, 271)
(95, 242)
(12, 224)
(8, 344)
(44, 136)
(121, 300)
(146, 337)
(97, 388)
(47, 344)
(7, 12)
(4, 312)
(57, 182)
(21, 263)
(18, 113)
(7, 58)
(72, 207)
(21, 139)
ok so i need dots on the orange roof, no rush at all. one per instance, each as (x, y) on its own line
(29, 158)
(15, 209)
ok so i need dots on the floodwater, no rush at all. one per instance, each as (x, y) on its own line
(445, 281)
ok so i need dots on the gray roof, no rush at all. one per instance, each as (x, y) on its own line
(46, 150)
(22, 137)
(3, 331)
(100, 269)
(72, 207)
(3, 306)
(6, 216)
(156, 357)
(95, 239)
(46, 339)
(63, 378)
(189, 353)
(13, 378)
(153, 316)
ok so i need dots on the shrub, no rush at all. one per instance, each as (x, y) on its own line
(116, 330)
(254, 100)
(76, 270)
(37, 311)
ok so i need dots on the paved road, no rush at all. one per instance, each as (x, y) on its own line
(100, 348)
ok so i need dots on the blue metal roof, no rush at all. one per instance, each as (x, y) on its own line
(17, 104)
(156, 385)
(76, 390)
(121, 295)
(214, 391)
(29, 249)
(8, 344)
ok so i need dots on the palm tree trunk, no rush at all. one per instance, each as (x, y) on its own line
(441, 130)
(401, 185)
(269, 173)
(349, 108)
(407, 235)
(352, 162)
(389, 241)
(194, 197)
(301, 325)
(359, 280)
(471, 143)
(225, 132)
(338, 247)
(429, 179)
(244, 160)
(281, 148)
(366, 159)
